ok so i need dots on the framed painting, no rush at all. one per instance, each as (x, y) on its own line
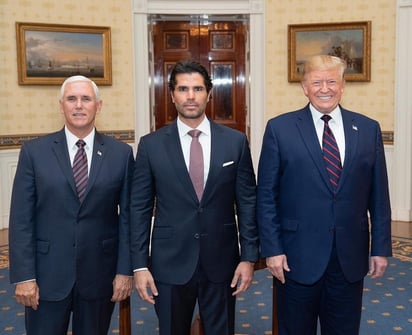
(350, 41)
(49, 53)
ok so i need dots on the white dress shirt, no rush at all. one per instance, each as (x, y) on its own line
(72, 147)
(335, 124)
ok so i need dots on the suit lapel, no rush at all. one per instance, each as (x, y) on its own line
(309, 137)
(98, 155)
(62, 155)
(216, 158)
(60, 150)
(171, 141)
(351, 142)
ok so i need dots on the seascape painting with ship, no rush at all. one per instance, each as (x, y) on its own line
(60, 54)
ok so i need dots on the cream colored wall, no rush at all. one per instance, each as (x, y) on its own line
(34, 109)
(374, 98)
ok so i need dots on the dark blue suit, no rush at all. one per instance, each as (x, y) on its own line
(187, 233)
(298, 213)
(59, 241)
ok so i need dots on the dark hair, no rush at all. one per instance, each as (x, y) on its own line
(190, 66)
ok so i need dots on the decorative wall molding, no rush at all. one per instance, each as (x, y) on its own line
(388, 137)
(198, 7)
(15, 141)
(404, 3)
(128, 136)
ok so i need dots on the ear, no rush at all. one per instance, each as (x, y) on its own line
(61, 106)
(343, 85)
(99, 106)
(305, 90)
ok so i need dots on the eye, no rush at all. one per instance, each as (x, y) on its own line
(71, 99)
(182, 89)
(86, 99)
(198, 88)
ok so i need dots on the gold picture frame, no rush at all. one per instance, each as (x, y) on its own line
(350, 41)
(49, 53)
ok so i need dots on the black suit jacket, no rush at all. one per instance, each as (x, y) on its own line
(184, 230)
(59, 241)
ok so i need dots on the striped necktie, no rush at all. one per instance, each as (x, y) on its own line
(331, 155)
(80, 171)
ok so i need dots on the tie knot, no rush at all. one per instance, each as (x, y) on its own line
(194, 133)
(326, 118)
(80, 144)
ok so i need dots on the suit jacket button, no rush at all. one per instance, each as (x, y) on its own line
(197, 236)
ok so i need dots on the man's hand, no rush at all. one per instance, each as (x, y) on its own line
(143, 280)
(27, 294)
(276, 265)
(122, 287)
(243, 277)
(377, 266)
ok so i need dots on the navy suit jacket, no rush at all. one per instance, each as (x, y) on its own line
(59, 241)
(298, 212)
(184, 230)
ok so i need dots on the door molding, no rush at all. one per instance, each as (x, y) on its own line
(142, 79)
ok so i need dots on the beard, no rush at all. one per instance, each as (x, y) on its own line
(192, 114)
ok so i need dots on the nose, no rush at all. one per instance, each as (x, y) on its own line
(190, 94)
(78, 102)
(324, 85)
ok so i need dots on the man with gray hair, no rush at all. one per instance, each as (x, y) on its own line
(69, 221)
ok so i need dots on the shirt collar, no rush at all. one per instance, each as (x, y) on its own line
(204, 127)
(336, 114)
(72, 139)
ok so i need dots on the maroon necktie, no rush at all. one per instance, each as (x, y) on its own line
(331, 154)
(80, 170)
(196, 167)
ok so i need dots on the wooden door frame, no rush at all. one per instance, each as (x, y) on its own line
(253, 8)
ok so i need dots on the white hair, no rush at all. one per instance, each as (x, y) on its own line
(73, 79)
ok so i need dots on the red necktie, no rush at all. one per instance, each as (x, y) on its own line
(80, 170)
(331, 154)
(196, 167)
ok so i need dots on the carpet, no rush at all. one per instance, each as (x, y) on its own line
(387, 302)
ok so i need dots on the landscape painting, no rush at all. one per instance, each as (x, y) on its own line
(348, 41)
